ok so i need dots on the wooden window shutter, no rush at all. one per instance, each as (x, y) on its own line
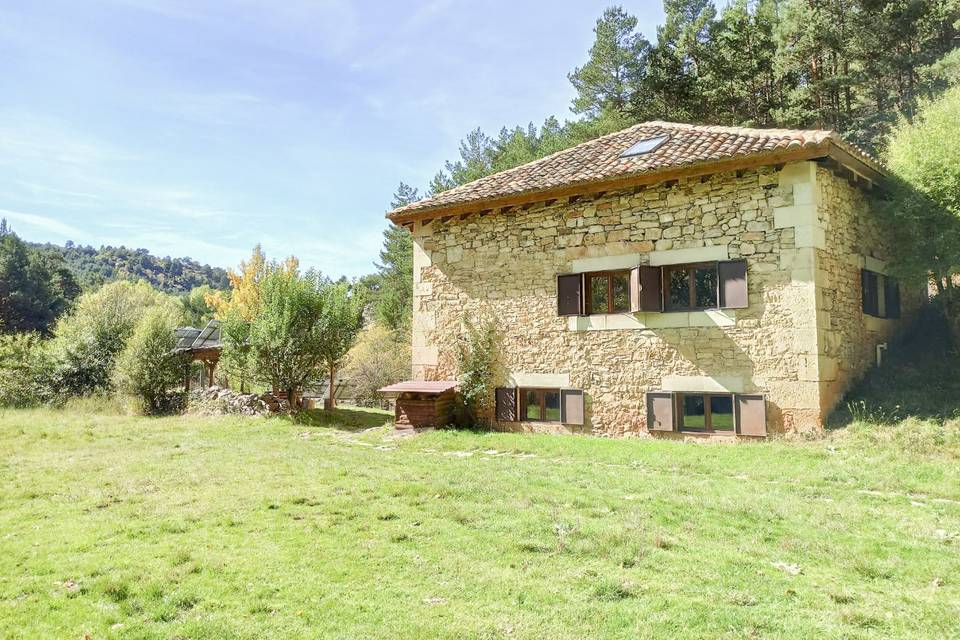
(634, 289)
(892, 295)
(507, 404)
(871, 301)
(570, 294)
(651, 295)
(732, 277)
(751, 415)
(660, 411)
(864, 304)
(571, 406)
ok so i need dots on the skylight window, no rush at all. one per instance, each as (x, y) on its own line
(645, 146)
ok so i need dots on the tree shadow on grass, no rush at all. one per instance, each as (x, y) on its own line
(920, 379)
(345, 418)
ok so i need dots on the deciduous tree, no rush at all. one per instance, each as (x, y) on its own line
(286, 335)
(341, 317)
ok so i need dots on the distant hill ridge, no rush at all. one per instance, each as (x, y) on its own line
(93, 266)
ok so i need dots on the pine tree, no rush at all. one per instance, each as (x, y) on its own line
(816, 53)
(393, 299)
(615, 67)
(738, 79)
(671, 89)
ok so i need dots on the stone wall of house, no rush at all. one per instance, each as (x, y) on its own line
(503, 266)
(857, 240)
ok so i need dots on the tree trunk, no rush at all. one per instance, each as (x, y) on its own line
(333, 401)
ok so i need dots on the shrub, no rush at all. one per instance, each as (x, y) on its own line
(379, 358)
(147, 369)
(24, 370)
(87, 342)
(924, 197)
(476, 356)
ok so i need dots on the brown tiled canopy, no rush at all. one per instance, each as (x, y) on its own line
(598, 164)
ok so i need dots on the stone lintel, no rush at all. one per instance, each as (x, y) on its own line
(703, 384)
(548, 380)
(693, 254)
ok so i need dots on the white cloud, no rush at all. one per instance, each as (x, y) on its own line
(45, 224)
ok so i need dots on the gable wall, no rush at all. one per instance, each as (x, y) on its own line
(847, 337)
(504, 266)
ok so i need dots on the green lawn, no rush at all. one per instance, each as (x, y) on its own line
(122, 527)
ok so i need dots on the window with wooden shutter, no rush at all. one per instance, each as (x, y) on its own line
(651, 296)
(751, 415)
(506, 400)
(732, 275)
(571, 406)
(660, 411)
(607, 292)
(892, 296)
(704, 412)
(570, 294)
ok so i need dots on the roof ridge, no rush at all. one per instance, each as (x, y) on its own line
(719, 128)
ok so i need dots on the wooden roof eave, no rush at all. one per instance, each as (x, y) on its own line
(856, 165)
(707, 167)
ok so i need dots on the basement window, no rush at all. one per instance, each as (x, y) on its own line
(648, 145)
(705, 412)
(540, 405)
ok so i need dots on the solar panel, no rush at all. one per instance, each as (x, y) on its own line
(209, 337)
(645, 146)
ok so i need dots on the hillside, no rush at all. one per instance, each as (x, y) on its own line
(93, 266)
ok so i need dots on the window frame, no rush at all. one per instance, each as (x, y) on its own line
(707, 412)
(542, 391)
(880, 287)
(691, 269)
(588, 291)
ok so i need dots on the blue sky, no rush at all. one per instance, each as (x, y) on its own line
(199, 129)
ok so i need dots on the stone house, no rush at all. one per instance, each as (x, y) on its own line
(668, 278)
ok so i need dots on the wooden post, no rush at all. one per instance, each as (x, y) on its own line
(210, 366)
(333, 402)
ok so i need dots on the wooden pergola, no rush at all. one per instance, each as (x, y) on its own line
(201, 345)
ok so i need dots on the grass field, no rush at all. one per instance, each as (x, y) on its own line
(186, 527)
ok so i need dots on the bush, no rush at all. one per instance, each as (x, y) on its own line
(379, 358)
(146, 369)
(87, 341)
(476, 366)
(924, 197)
(24, 370)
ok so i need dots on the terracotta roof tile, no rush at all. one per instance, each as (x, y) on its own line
(600, 160)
